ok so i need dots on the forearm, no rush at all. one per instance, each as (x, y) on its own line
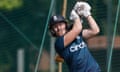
(76, 29)
(77, 24)
(93, 25)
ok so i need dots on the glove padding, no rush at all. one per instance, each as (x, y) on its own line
(73, 15)
(82, 9)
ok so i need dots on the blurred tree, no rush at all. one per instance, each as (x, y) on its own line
(29, 16)
(10, 4)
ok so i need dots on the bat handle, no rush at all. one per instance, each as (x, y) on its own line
(60, 67)
(60, 61)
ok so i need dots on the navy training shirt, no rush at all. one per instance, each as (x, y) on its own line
(76, 55)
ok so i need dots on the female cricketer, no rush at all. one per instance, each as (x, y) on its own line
(70, 44)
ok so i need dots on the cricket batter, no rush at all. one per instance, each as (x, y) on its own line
(70, 44)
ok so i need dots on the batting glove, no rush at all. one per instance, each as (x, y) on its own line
(82, 9)
(73, 15)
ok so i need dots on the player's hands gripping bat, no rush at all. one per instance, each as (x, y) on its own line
(73, 15)
(82, 9)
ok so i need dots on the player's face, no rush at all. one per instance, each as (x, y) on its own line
(59, 28)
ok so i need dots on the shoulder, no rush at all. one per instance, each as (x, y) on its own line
(59, 43)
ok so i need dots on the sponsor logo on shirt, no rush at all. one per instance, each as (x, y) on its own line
(77, 47)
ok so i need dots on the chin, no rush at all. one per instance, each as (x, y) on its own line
(60, 34)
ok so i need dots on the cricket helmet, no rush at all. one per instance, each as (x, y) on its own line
(56, 19)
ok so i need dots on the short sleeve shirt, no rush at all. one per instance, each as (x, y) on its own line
(76, 55)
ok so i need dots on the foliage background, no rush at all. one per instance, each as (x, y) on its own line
(19, 18)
